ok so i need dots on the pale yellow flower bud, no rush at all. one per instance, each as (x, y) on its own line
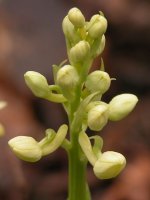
(98, 117)
(98, 81)
(109, 165)
(97, 26)
(26, 148)
(69, 30)
(37, 83)
(76, 17)
(79, 52)
(121, 105)
(67, 79)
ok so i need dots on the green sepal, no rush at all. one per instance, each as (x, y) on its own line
(50, 135)
(102, 67)
(98, 145)
(95, 47)
(53, 140)
(87, 147)
(56, 68)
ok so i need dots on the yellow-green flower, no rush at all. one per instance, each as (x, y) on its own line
(109, 165)
(26, 148)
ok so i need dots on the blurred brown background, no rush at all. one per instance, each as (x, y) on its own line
(31, 39)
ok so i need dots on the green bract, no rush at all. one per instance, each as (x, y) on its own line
(101, 46)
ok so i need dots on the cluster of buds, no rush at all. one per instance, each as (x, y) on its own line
(80, 92)
(84, 39)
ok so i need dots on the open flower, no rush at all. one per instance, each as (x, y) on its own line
(26, 148)
(109, 165)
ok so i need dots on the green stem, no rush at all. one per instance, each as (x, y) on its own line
(78, 186)
(77, 173)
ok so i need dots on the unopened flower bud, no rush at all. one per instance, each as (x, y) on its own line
(98, 117)
(98, 81)
(37, 83)
(69, 30)
(109, 165)
(97, 26)
(26, 148)
(67, 79)
(121, 105)
(79, 52)
(76, 17)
